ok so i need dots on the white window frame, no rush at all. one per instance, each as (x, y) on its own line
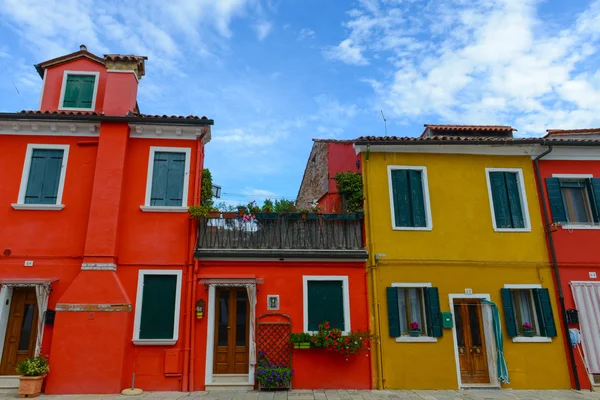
(569, 225)
(522, 196)
(138, 308)
(345, 295)
(186, 180)
(20, 204)
(426, 201)
(535, 339)
(420, 339)
(64, 87)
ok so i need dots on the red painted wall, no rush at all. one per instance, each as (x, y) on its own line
(341, 158)
(314, 368)
(577, 249)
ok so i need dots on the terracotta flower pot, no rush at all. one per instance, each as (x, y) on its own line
(30, 386)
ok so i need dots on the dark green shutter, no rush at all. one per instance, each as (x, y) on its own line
(44, 176)
(514, 200)
(167, 179)
(543, 308)
(595, 183)
(325, 303)
(556, 202)
(158, 307)
(402, 214)
(393, 311)
(433, 312)
(79, 91)
(509, 313)
(416, 198)
(500, 200)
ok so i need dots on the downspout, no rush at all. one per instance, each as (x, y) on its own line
(550, 239)
(372, 268)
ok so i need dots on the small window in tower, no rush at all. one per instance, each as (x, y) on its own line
(79, 91)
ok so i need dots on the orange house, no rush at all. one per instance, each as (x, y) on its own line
(96, 242)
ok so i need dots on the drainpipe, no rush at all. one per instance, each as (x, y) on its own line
(550, 239)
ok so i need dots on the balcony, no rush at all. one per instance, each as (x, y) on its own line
(281, 236)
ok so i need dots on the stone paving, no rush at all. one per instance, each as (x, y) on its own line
(474, 394)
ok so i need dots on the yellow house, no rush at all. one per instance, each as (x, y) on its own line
(462, 291)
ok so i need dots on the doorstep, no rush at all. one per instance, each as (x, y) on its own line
(231, 382)
(9, 381)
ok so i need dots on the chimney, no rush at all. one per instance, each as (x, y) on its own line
(123, 75)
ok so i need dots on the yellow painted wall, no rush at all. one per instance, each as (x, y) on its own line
(461, 251)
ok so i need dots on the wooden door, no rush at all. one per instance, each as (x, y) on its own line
(231, 331)
(21, 331)
(470, 338)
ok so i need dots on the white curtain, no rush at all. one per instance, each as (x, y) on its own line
(252, 300)
(587, 301)
(41, 292)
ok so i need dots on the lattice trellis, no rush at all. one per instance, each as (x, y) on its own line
(273, 337)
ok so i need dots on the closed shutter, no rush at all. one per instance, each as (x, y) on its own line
(416, 197)
(44, 176)
(158, 307)
(393, 311)
(167, 179)
(509, 313)
(595, 183)
(514, 200)
(434, 313)
(400, 192)
(543, 308)
(79, 91)
(556, 202)
(325, 303)
(500, 200)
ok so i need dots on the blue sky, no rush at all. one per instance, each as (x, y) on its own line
(275, 74)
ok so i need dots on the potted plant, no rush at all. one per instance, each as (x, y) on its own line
(266, 211)
(527, 330)
(33, 371)
(346, 343)
(415, 331)
(272, 376)
(300, 340)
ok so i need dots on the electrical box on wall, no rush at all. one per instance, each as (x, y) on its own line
(447, 320)
(572, 316)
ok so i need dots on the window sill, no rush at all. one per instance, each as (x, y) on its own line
(410, 228)
(535, 339)
(581, 226)
(512, 230)
(39, 207)
(163, 209)
(419, 339)
(154, 342)
(74, 109)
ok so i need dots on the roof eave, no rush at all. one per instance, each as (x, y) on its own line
(107, 118)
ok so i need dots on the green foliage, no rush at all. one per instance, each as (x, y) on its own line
(206, 190)
(285, 206)
(350, 187)
(200, 211)
(35, 366)
(249, 209)
(333, 339)
(271, 375)
(224, 207)
(300, 337)
(268, 206)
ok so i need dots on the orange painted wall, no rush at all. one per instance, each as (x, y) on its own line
(314, 368)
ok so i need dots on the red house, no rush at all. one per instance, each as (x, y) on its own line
(569, 177)
(96, 241)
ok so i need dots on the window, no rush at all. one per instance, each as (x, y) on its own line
(168, 178)
(409, 198)
(574, 199)
(413, 302)
(528, 309)
(326, 298)
(157, 307)
(508, 201)
(43, 177)
(79, 90)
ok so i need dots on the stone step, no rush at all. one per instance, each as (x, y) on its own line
(9, 381)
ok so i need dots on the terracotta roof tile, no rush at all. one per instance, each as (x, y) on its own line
(438, 138)
(166, 116)
(558, 132)
(37, 112)
(123, 57)
(339, 141)
(470, 127)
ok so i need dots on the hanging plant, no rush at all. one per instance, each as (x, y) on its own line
(350, 187)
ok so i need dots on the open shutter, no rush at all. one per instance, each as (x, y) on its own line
(416, 198)
(176, 175)
(500, 200)
(434, 313)
(543, 308)
(556, 202)
(514, 200)
(393, 312)
(158, 307)
(509, 313)
(402, 213)
(595, 182)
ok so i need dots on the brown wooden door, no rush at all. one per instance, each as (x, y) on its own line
(231, 331)
(21, 331)
(470, 339)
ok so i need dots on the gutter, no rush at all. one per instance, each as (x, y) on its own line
(106, 118)
(499, 143)
(550, 239)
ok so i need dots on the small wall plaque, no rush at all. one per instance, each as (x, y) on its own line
(468, 291)
(273, 302)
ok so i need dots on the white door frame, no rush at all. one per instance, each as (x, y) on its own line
(486, 316)
(210, 336)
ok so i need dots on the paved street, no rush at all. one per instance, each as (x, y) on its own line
(343, 395)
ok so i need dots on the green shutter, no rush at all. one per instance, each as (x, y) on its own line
(158, 307)
(86, 95)
(556, 202)
(509, 313)
(325, 303)
(543, 308)
(514, 200)
(500, 200)
(44, 176)
(416, 198)
(167, 179)
(175, 179)
(402, 213)
(433, 313)
(393, 311)
(595, 183)
(79, 91)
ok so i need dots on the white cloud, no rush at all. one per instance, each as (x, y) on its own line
(347, 52)
(263, 29)
(258, 192)
(306, 33)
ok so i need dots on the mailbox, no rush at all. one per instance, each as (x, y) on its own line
(49, 317)
(572, 316)
(447, 320)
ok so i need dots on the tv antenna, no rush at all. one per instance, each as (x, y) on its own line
(384, 122)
